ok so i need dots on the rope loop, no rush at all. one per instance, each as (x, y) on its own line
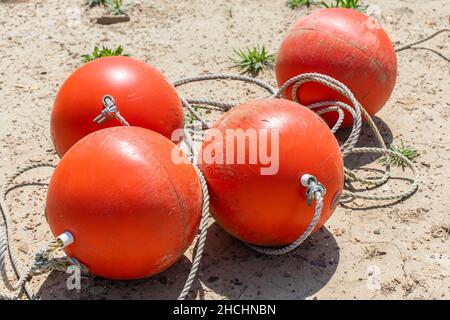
(314, 191)
(110, 111)
(355, 112)
(9, 247)
(348, 147)
(314, 188)
(43, 261)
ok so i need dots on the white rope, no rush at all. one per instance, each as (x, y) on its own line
(202, 238)
(348, 147)
(317, 192)
(7, 246)
(355, 112)
(110, 110)
(219, 76)
(43, 263)
(205, 205)
(338, 123)
(325, 80)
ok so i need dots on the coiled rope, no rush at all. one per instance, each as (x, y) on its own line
(44, 263)
(7, 246)
(348, 147)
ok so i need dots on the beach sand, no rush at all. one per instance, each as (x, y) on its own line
(366, 250)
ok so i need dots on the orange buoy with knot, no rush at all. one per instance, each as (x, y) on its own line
(132, 211)
(254, 160)
(144, 96)
(346, 45)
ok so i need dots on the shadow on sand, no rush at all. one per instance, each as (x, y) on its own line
(228, 268)
(166, 285)
(356, 162)
(366, 139)
(231, 269)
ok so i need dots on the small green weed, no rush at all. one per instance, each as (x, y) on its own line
(104, 52)
(118, 7)
(190, 118)
(408, 152)
(349, 4)
(252, 61)
(294, 4)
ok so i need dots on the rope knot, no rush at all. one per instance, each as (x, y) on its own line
(109, 111)
(43, 261)
(314, 189)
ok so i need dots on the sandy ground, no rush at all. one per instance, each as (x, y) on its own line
(367, 250)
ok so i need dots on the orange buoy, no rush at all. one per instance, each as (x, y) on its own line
(131, 210)
(346, 45)
(142, 94)
(261, 200)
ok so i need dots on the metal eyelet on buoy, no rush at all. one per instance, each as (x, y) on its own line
(306, 180)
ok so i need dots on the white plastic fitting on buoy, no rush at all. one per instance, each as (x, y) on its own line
(305, 179)
(66, 238)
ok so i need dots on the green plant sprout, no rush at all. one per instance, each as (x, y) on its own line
(408, 152)
(118, 7)
(93, 3)
(349, 4)
(104, 52)
(252, 61)
(294, 4)
(190, 118)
